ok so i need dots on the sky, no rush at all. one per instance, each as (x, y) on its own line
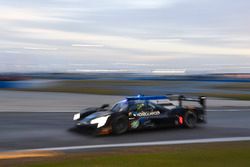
(142, 35)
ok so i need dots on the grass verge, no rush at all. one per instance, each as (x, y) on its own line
(234, 86)
(227, 96)
(101, 87)
(205, 155)
(132, 87)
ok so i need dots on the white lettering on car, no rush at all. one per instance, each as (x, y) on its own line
(146, 114)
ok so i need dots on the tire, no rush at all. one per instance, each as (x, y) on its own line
(120, 124)
(190, 119)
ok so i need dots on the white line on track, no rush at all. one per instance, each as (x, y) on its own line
(155, 143)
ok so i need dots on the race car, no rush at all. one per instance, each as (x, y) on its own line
(140, 112)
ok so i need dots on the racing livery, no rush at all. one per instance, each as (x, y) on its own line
(139, 112)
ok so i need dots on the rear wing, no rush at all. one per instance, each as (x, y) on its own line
(180, 98)
(201, 99)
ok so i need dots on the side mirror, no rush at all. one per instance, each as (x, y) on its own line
(104, 106)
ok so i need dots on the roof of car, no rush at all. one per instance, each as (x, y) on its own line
(142, 97)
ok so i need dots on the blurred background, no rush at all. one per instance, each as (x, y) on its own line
(126, 47)
(230, 85)
(60, 56)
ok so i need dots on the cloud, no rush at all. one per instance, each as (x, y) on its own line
(14, 14)
(131, 43)
(146, 4)
(100, 5)
(35, 48)
(88, 45)
(159, 31)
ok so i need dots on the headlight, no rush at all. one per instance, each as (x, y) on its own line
(76, 116)
(101, 121)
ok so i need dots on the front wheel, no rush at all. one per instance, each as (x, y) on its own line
(190, 119)
(120, 124)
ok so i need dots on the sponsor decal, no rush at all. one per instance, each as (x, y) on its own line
(135, 124)
(130, 114)
(146, 114)
(139, 107)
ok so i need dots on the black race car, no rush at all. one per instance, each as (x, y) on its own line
(141, 112)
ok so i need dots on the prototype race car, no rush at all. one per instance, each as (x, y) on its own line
(141, 112)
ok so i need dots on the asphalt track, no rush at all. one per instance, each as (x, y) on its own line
(24, 126)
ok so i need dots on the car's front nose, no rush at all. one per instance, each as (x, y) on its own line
(76, 116)
(88, 127)
(99, 121)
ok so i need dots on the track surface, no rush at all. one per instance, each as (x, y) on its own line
(38, 130)
(27, 130)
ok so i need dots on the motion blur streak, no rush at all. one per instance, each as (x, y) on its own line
(28, 154)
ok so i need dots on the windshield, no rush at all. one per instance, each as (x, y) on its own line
(119, 107)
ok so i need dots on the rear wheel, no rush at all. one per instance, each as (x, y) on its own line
(190, 119)
(120, 124)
